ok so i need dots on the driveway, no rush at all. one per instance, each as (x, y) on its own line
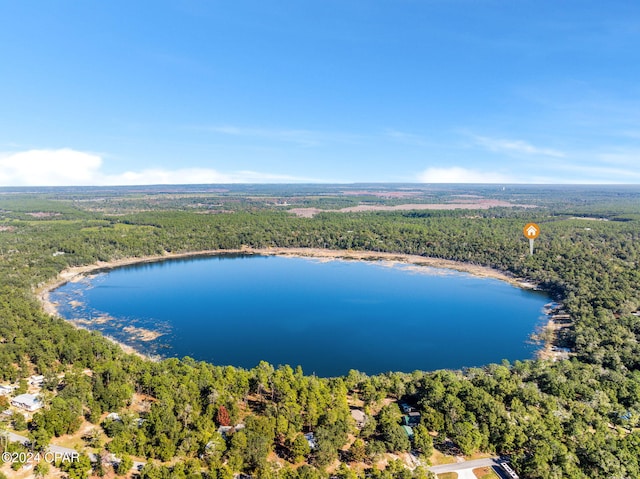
(465, 469)
(466, 474)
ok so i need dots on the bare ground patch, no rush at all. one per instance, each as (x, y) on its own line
(479, 204)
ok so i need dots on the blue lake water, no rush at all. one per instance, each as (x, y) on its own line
(328, 317)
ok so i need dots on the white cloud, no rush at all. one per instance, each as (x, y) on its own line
(49, 167)
(565, 174)
(461, 175)
(67, 167)
(516, 146)
(158, 176)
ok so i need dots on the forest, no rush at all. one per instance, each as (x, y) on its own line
(576, 418)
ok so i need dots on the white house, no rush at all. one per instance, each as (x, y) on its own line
(359, 417)
(114, 416)
(29, 402)
(5, 390)
(36, 380)
(224, 431)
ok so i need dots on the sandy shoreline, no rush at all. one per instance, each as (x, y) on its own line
(77, 273)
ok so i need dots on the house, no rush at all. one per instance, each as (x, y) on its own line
(625, 416)
(36, 380)
(5, 390)
(311, 440)
(225, 431)
(28, 402)
(359, 417)
(411, 419)
(114, 416)
(408, 431)
(405, 407)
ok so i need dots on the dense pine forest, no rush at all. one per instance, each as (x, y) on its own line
(574, 418)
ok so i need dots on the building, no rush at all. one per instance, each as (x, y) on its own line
(36, 380)
(359, 417)
(411, 419)
(408, 431)
(405, 407)
(28, 402)
(311, 440)
(114, 416)
(225, 431)
(5, 390)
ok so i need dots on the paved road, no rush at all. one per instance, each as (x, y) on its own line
(464, 468)
(13, 437)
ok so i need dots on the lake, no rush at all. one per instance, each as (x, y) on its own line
(327, 316)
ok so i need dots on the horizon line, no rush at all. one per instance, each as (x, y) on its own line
(351, 183)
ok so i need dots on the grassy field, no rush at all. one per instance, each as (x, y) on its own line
(438, 458)
(485, 473)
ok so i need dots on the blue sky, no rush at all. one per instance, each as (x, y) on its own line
(488, 91)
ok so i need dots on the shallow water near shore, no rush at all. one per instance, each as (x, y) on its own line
(327, 316)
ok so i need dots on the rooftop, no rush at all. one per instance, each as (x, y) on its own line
(28, 401)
